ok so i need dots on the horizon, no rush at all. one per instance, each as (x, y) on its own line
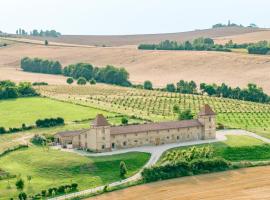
(121, 17)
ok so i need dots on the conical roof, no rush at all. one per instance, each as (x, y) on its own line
(206, 110)
(100, 121)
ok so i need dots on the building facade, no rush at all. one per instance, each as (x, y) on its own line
(102, 137)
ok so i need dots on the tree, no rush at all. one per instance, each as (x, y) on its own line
(176, 109)
(170, 88)
(19, 184)
(92, 81)
(81, 81)
(29, 178)
(148, 85)
(124, 120)
(185, 115)
(22, 196)
(123, 169)
(46, 43)
(70, 80)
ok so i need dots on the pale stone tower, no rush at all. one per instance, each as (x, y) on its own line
(207, 117)
(99, 137)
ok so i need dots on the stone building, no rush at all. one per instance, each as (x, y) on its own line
(103, 137)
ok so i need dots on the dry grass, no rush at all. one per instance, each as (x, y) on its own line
(245, 38)
(244, 184)
(120, 40)
(160, 67)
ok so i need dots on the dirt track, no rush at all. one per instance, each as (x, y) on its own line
(244, 184)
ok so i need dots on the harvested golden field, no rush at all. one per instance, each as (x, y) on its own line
(244, 184)
(160, 67)
(245, 38)
(121, 40)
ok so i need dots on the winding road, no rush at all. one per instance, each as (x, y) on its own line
(156, 152)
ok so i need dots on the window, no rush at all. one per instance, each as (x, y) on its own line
(124, 143)
(177, 137)
(209, 119)
(136, 141)
(113, 145)
(168, 137)
(103, 146)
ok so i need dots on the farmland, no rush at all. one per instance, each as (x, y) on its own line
(235, 69)
(251, 184)
(235, 149)
(54, 168)
(158, 106)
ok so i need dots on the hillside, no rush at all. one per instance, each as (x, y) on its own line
(160, 67)
(121, 40)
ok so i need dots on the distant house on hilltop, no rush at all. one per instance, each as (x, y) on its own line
(102, 137)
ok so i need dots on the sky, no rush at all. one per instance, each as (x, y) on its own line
(120, 17)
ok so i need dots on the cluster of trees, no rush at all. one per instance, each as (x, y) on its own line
(38, 140)
(38, 65)
(251, 93)
(108, 74)
(9, 89)
(183, 87)
(57, 191)
(41, 33)
(232, 45)
(14, 130)
(184, 168)
(262, 47)
(199, 44)
(44, 123)
(220, 25)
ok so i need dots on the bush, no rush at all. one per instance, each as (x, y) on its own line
(22, 196)
(148, 85)
(261, 47)
(46, 43)
(2, 130)
(124, 120)
(123, 169)
(185, 115)
(70, 80)
(74, 186)
(39, 83)
(38, 140)
(184, 168)
(44, 123)
(92, 81)
(81, 81)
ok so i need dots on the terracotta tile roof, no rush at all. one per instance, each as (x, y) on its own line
(206, 110)
(100, 121)
(70, 133)
(155, 126)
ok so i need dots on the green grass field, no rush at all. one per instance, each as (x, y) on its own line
(158, 105)
(53, 168)
(28, 110)
(238, 148)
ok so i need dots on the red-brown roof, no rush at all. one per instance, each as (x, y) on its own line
(100, 121)
(69, 133)
(155, 126)
(206, 110)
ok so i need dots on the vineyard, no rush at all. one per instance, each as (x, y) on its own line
(158, 105)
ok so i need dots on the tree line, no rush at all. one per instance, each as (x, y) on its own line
(9, 89)
(41, 33)
(38, 65)
(199, 44)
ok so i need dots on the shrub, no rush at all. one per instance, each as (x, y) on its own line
(124, 120)
(148, 85)
(39, 83)
(70, 80)
(123, 169)
(92, 81)
(19, 184)
(81, 81)
(2, 130)
(22, 196)
(43, 123)
(43, 193)
(46, 43)
(38, 140)
(185, 115)
(74, 186)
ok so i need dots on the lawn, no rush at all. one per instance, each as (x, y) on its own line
(237, 148)
(28, 110)
(53, 168)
